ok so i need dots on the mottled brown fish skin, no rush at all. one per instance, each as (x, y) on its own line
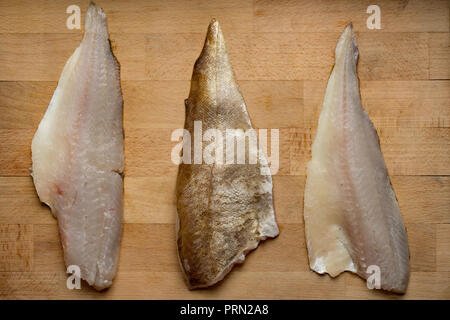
(223, 210)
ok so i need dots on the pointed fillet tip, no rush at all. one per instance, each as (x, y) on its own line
(213, 40)
(214, 54)
(347, 42)
(348, 31)
(214, 22)
(213, 27)
(95, 20)
(214, 32)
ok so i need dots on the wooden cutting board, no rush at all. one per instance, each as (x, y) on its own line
(282, 52)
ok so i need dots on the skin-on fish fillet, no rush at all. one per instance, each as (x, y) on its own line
(352, 218)
(224, 210)
(77, 155)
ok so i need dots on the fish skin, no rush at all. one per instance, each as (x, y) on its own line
(77, 154)
(352, 217)
(224, 210)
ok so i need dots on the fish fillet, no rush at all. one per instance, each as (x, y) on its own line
(224, 210)
(352, 218)
(77, 155)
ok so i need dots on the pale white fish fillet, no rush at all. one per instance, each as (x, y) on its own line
(77, 155)
(352, 218)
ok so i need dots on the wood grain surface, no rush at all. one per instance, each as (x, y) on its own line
(282, 53)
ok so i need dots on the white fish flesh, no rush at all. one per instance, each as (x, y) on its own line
(352, 218)
(77, 155)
